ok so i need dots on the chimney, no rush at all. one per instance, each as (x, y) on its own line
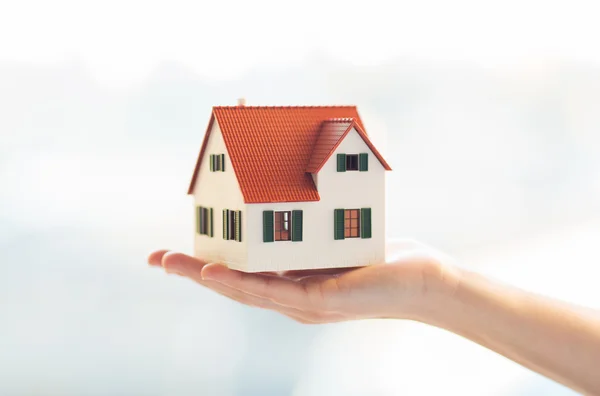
(241, 102)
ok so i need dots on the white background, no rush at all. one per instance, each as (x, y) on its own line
(487, 111)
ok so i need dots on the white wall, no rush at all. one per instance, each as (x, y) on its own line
(318, 249)
(219, 190)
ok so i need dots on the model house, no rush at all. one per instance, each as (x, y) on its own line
(288, 188)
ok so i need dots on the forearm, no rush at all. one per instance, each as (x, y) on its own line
(555, 339)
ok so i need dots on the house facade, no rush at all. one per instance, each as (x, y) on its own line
(289, 188)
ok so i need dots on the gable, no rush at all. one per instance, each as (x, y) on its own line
(333, 132)
(216, 170)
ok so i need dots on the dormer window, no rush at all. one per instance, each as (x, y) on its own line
(217, 162)
(353, 162)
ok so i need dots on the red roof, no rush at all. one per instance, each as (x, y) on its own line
(273, 149)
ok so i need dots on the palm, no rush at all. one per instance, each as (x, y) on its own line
(320, 295)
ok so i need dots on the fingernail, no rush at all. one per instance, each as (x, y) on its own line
(173, 267)
(208, 276)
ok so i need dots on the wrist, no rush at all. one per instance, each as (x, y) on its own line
(440, 292)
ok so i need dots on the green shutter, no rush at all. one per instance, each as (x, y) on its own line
(338, 224)
(230, 231)
(224, 223)
(222, 162)
(238, 226)
(202, 230)
(234, 215)
(296, 225)
(268, 232)
(212, 163)
(234, 218)
(198, 208)
(363, 162)
(341, 162)
(210, 223)
(365, 223)
(205, 221)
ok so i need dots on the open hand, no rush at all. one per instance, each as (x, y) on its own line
(404, 287)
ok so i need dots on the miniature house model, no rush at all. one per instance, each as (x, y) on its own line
(288, 188)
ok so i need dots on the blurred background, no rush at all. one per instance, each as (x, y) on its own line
(489, 113)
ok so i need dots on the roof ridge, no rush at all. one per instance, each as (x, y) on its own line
(284, 107)
(340, 119)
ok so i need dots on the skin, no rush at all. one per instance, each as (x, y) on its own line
(417, 283)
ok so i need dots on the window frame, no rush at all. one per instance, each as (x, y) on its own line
(294, 222)
(217, 162)
(204, 221)
(349, 228)
(280, 221)
(352, 159)
(232, 225)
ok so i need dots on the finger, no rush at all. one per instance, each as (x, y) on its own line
(263, 303)
(182, 264)
(281, 290)
(298, 315)
(304, 319)
(238, 295)
(155, 258)
(191, 267)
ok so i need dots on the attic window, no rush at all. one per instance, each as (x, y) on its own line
(352, 162)
(217, 162)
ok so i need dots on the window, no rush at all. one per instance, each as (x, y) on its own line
(353, 162)
(204, 221)
(282, 226)
(232, 225)
(351, 223)
(217, 162)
